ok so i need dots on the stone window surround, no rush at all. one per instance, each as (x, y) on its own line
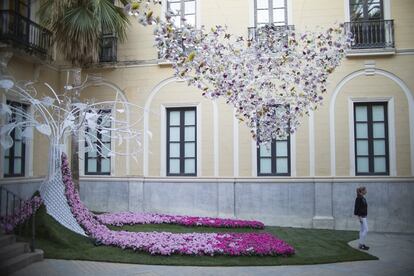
(370, 139)
(28, 162)
(197, 12)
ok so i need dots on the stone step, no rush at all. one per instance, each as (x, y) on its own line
(13, 250)
(6, 240)
(18, 262)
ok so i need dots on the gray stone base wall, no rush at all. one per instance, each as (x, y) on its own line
(309, 203)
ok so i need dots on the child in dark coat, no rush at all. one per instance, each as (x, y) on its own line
(361, 210)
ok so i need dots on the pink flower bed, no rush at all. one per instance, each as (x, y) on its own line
(165, 243)
(8, 223)
(120, 219)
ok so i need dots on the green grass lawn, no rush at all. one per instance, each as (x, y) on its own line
(312, 246)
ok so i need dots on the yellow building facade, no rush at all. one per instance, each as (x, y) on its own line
(363, 134)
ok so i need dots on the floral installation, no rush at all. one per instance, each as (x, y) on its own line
(28, 208)
(165, 243)
(271, 80)
(122, 218)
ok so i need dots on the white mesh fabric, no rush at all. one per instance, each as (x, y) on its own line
(52, 192)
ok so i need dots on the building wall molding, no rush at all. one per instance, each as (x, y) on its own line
(235, 144)
(147, 111)
(376, 71)
(391, 131)
(163, 133)
(216, 142)
(311, 144)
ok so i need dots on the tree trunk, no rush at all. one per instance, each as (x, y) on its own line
(74, 161)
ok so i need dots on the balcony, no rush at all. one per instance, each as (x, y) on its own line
(108, 48)
(256, 33)
(372, 36)
(21, 32)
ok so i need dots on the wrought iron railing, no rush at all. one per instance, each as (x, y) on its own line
(254, 33)
(24, 32)
(10, 205)
(108, 48)
(371, 34)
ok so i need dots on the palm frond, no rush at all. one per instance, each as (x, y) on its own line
(77, 26)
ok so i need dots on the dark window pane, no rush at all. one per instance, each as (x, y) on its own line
(363, 164)
(189, 166)
(262, 4)
(380, 164)
(174, 149)
(282, 165)
(189, 150)
(362, 147)
(181, 143)
(371, 152)
(265, 165)
(374, 12)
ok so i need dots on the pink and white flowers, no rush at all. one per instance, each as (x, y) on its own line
(120, 219)
(165, 243)
(271, 80)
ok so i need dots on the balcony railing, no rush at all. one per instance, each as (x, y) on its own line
(15, 28)
(371, 34)
(108, 49)
(255, 33)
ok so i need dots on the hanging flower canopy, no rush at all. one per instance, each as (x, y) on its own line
(271, 80)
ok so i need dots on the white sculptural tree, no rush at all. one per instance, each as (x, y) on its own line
(58, 118)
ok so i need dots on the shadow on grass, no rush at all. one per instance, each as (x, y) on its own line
(312, 246)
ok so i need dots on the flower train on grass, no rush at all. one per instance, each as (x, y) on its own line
(165, 243)
(130, 218)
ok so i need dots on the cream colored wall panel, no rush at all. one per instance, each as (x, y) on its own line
(225, 119)
(322, 160)
(302, 148)
(402, 13)
(309, 14)
(231, 13)
(245, 151)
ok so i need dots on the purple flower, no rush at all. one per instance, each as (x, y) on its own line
(165, 243)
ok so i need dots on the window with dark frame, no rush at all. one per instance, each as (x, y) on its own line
(366, 10)
(181, 141)
(15, 157)
(273, 159)
(186, 10)
(368, 25)
(371, 138)
(270, 12)
(98, 161)
(108, 44)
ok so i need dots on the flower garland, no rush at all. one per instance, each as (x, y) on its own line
(29, 207)
(122, 218)
(271, 80)
(165, 243)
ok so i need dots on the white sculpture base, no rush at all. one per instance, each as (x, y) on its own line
(52, 192)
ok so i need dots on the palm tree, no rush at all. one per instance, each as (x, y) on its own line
(77, 26)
